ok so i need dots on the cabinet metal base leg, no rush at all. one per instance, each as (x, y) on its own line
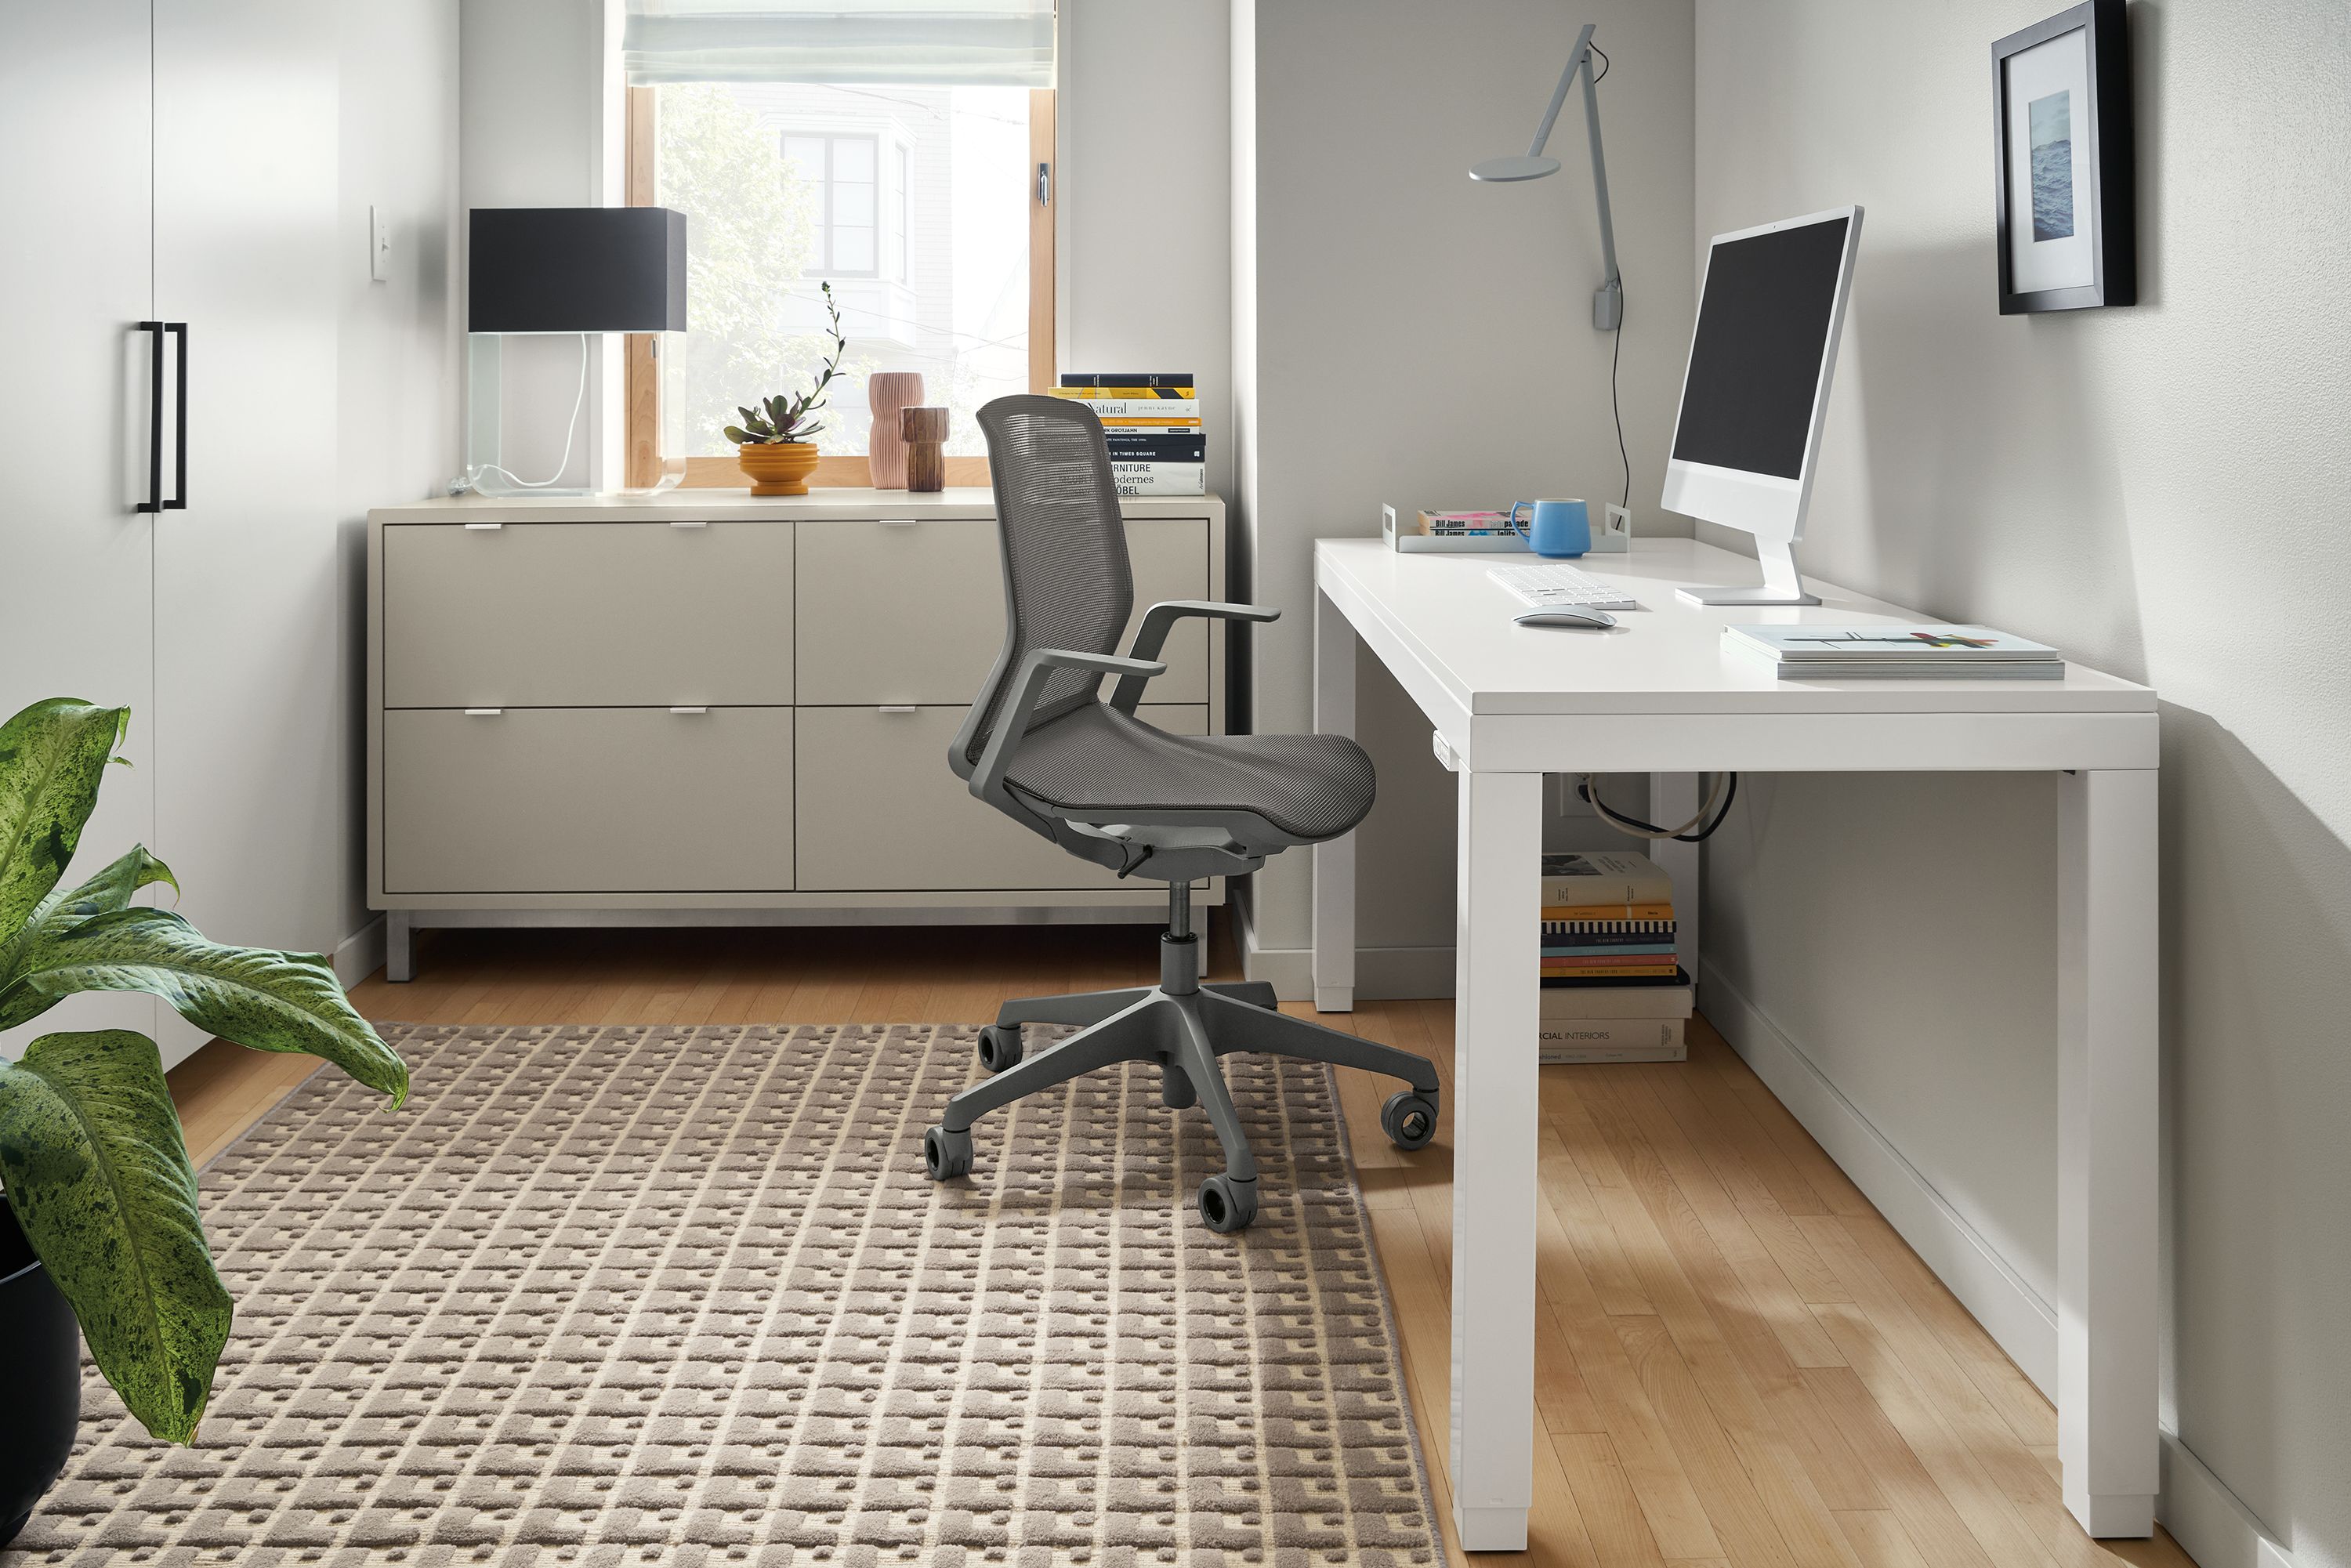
(399, 946)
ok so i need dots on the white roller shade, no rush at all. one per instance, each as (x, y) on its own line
(945, 43)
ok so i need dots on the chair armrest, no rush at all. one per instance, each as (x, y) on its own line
(1159, 619)
(1012, 721)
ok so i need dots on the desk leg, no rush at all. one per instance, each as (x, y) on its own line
(1495, 1122)
(1673, 799)
(2106, 1149)
(1333, 957)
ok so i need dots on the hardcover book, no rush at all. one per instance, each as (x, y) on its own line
(1604, 877)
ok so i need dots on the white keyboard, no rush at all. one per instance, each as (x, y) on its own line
(1545, 586)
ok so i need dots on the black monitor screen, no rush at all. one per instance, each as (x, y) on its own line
(1756, 360)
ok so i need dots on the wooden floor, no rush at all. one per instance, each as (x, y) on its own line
(1738, 1362)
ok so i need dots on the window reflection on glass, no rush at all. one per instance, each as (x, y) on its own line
(911, 202)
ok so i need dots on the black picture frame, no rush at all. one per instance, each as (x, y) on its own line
(2109, 204)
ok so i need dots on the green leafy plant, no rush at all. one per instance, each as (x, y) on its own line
(778, 420)
(91, 1152)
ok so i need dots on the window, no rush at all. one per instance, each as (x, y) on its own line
(919, 205)
(840, 172)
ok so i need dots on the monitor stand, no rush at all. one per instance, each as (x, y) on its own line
(1780, 585)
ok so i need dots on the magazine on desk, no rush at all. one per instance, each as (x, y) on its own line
(1896, 651)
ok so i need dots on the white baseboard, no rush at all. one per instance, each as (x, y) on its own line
(1381, 974)
(360, 954)
(2023, 1325)
(2208, 1520)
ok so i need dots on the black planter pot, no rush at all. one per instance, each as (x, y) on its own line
(40, 1344)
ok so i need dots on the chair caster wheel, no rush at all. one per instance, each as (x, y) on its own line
(1409, 1119)
(999, 1047)
(1226, 1205)
(1175, 1091)
(947, 1154)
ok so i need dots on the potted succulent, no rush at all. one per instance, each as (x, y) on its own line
(100, 1229)
(775, 443)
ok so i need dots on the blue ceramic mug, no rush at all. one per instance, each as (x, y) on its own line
(1561, 528)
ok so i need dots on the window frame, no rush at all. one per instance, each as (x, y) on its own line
(643, 462)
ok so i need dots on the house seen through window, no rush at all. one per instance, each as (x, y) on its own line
(912, 202)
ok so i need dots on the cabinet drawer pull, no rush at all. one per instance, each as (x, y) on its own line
(899, 522)
(689, 522)
(682, 709)
(895, 708)
(484, 527)
(484, 712)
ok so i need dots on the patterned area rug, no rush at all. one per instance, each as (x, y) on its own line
(618, 1296)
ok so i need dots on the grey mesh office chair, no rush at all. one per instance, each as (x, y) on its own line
(1043, 747)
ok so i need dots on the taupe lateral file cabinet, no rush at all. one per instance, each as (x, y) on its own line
(703, 708)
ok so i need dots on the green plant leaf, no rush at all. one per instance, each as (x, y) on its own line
(738, 436)
(53, 758)
(256, 997)
(99, 1179)
(109, 890)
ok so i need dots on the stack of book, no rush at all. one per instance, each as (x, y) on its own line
(1466, 524)
(1151, 421)
(1895, 653)
(1610, 988)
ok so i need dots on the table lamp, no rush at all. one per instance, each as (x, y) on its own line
(558, 270)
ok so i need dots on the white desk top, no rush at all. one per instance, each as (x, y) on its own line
(1666, 657)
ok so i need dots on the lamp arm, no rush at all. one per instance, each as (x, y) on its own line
(1579, 55)
(1599, 175)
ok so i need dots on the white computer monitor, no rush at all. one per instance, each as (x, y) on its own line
(1746, 434)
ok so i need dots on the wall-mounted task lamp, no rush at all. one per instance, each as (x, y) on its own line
(1608, 299)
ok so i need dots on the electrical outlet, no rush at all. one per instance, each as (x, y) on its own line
(379, 245)
(1613, 536)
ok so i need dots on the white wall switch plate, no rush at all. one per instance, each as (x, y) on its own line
(379, 245)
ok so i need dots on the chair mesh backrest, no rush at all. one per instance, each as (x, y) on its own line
(1065, 569)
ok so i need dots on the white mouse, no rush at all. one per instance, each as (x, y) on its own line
(1581, 615)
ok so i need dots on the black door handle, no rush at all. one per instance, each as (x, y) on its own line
(180, 457)
(154, 501)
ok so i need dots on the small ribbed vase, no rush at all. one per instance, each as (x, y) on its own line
(885, 449)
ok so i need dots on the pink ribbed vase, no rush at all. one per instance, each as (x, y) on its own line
(885, 449)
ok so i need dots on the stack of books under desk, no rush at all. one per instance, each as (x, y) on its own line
(1611, 990)
(1150, 423)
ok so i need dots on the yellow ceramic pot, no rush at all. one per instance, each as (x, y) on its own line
(779, 467)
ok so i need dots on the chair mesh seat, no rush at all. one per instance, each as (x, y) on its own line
(1096, 758)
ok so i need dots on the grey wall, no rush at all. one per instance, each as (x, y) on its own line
(396, 372)
(1145, 267)
(1405, 335)
(2162, 491)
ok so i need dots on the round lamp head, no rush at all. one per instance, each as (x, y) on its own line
(1503, 169)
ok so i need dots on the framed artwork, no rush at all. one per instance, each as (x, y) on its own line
(2060, 145)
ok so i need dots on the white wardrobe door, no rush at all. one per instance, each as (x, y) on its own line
(75, 281)
(254, 764)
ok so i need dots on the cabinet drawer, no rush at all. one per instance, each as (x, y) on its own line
(587, 614)
(913, 611)
(588, 800)
(880, 810)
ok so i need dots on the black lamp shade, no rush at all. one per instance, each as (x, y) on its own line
(577, 269)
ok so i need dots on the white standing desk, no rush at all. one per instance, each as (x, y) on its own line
(1659, 696)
